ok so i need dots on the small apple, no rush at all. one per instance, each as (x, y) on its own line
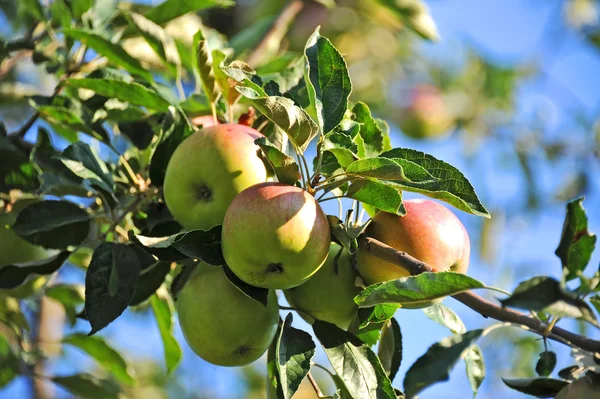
(205, 121)
(207, 170)
(221, 324)
(275, 236)
(17, 250)
(329, 294)
(426, 115)
(429, 232)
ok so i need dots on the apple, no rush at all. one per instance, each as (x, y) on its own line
(206, 172)
(221, 324)
(429, 232)
(275, 236)
(426, 115)
(17, 250)
(205, 121)
(585, 387)
(329, 294)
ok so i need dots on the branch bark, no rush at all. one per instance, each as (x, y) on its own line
(479, 304)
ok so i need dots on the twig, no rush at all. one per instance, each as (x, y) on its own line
(277, 31)
(479, 304)
(315, 385)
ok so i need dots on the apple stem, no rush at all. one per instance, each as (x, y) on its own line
(315, 385)
(479, 304)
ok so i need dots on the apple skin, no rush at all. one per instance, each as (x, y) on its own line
(327, 295)
(585, 387)
(429, 232)
(275, 236)
(15, 250)
(221, 324)
(426, 116)
(208, 170)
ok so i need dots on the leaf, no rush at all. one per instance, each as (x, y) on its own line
(369, 130)
(12, 276)
(576, 242)
(354, 362)
(110, 283)
(70, 296)
(415, 15)
(9, 362)
(203, 245)
(53, 224)
(378, 314)
(171, 9)
(225, 83)
(284, 166)
(546, 294)
(88, 386)
(378, 195)
(163, 313)
(475, 366)
(390, 348)
(131, 92)
(328, 81)
(436, 363)
(342, 146)
(260, 295)
(173, 131)
(417, 290)
(203, 67)
(149, 282)
(139, 132)
(545, 364)
(538, 387)
(446, 317)
(451, 185)
(377, 168)
(294, 351)
(161, 247)
(112, 51)
(80, 160)
(104, 354)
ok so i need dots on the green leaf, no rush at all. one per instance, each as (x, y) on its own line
(110, 283)
(446, 317)
(294, 351)
(88, 386)
(327, 80)
(576, 242)
(284, 166)
(225, 83)
(390, 348)
(130, 92)
(139, 132)
(53, 224)
(452, 186)
(595, 301)
(9, 362)
(104, 354)
(201, 244)
(112, 51)
(377, 194)
(342, 146)
(171, 9)
(371, 133)
(163, 313)
(475, 366)
(260, 295)
(161, 247)
(174, 130)
(545, 364)
(436, 363)
(32, 8)
(12, 276)
(81, 160)
(149, 282)
(203, 67)
(377, 168)
(70, 296)
(415, 15)
(417, 290)
(378, 314)
(79, 7)
(354, 362)
(538, 387)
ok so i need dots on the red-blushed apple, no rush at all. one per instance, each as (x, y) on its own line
(275, 236)
(329, 294)
(429, 232)
(221, 324)
(208, 170)
(426, 115)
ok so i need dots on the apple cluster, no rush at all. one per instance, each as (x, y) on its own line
(276, 236)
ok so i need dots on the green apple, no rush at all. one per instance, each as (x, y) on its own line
(329, 294)
(275, 236)
(426, 115)
(429, 232)
(17, 250)
(207, 170)
(221, 324)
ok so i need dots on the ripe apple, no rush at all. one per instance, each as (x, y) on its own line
(426, 114)
(205, 121)
(207, 170)
(329, 294)
(429, 232)
(275, 236)
(221, 324)
(15, 250)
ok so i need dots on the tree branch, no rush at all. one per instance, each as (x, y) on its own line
(315, 386)
(479, 304)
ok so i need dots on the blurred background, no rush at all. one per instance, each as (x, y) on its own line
(509, 95)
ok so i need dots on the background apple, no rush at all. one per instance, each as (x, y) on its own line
(275, 236)
(585, 387)
(329, 294)
(429, 231)
(221, 324)
(208, 170)
(426, 114)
